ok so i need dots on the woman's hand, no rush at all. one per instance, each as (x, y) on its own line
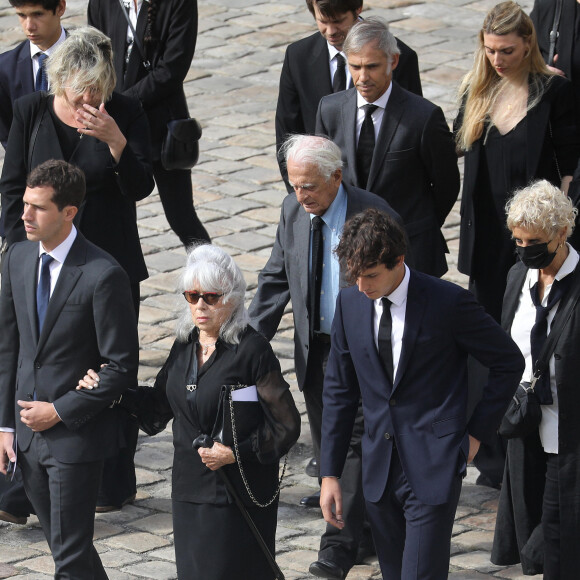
(99, 124)
(216, 456)
(89, 381)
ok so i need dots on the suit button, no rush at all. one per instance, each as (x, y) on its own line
(393, 402)
(37, 365)
(557, 356)
(387, 435)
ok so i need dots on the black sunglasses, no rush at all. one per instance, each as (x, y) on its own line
(210, 298)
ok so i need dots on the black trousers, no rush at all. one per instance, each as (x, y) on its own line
(339, 546)
(64, 496)
(176, 193)
(551, 519)
(412, 539)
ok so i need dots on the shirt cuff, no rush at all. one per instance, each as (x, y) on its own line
(6, 430)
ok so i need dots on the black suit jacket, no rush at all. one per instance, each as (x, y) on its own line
(414, 165)
(285, 276)
(89, 321)
(161, 90)
(424, 411)
(108, 215)
(305, 79)
(15, 81)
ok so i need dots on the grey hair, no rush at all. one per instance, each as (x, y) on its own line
(371, 30)
(541, 207)
(84, 61)
(318, 151)
(210, 269)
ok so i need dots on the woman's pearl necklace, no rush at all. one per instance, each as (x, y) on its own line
(206, 347)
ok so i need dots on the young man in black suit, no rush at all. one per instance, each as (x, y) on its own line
(310, 69)
(19, 69)
(65, 307)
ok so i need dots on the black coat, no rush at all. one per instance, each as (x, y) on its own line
(161, 90)
(108, 215)
(520, 505)
(556, 109)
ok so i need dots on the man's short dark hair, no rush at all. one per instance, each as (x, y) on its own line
(67, 180)
(334, 8)
(51, 5)
(370, 238)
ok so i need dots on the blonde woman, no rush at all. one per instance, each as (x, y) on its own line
(515, 124)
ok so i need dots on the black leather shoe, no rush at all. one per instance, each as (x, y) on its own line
(311, 500)
(327, 569)
(12, 519)
(311, 468)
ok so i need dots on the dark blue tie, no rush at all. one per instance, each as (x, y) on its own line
(385, 343)
(43, 289)
(41, 79)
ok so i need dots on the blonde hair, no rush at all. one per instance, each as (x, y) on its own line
(541, 207)
(84, 61)
(481, 86)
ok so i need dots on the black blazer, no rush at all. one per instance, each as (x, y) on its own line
(160, 91)
(15, 81)
(414, 165)
(555, 110)
(90, 320)
(285, 276)
(108, 215)
(519, 511)
(305, 79)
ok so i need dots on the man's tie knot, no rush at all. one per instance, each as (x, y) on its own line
(317, 223)
(369, 110)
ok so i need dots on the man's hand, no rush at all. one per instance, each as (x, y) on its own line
(6, 450)
(331, 494)
(473, 448)
(38, 415)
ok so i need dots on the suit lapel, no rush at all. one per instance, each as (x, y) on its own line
(319, 69)
(391, 119)
(348, 113)
(301, 231)
(67, 280)
(416, 304)
(30, 283)
(512, 295)
(136, 57)
(118, 39)
(24, 82)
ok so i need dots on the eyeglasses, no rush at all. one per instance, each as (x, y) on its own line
(210, 298)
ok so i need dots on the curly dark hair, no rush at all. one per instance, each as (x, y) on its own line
(67, 180)
(370, 238)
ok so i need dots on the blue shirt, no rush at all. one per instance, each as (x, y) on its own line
(333, 218)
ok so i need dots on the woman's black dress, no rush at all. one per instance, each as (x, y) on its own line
(212, 542)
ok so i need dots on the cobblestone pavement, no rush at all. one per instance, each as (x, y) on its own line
(232, 88)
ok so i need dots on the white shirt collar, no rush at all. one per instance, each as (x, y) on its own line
(399, 294)
(61, 251)
(34, 50)
(380, 102)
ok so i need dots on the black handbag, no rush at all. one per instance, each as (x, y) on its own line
(180, 148)
(524, 413)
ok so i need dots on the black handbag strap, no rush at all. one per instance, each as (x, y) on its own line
(136, 40)
(554, 32)
(36, 127)
(567, 305)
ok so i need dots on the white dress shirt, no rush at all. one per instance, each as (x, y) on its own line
(523, 322)
(35, 51)
(332, 52)
(398, 298)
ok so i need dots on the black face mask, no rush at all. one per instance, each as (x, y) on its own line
(537, 256)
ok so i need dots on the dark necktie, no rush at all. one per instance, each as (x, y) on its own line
(43, 289)
(385, 344)
(366, 147)
(41, 78)
(539, 332)
(339, 80)
(316, 273)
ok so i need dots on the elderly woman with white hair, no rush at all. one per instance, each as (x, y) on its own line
(538, 521)
(217, 353)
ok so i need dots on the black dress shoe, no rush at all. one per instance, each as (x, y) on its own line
(311, 468)
(311, 500)
(327, 569)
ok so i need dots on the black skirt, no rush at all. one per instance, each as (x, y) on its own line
(214, 542)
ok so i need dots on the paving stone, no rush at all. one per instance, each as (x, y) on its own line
(104, 529)
(163, 554)
(118, 558)
(6, 570)
(43, 564)
(161, 524)
(478, 561)
(138, 542)
(159, 570)
(474, 540)
(147, 477)
(150, 455)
